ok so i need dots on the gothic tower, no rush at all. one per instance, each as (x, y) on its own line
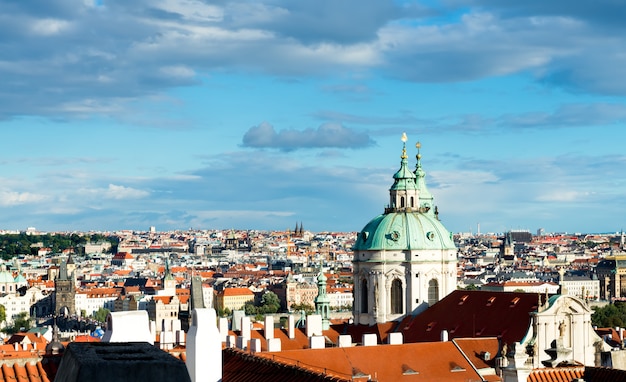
(404, 259)
(65, 292)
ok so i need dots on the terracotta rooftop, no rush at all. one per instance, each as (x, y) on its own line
(559, 374)
(436, 361)
(469, 314)
(481, 352)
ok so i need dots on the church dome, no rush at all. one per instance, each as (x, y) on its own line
(411, 221)
(404, 231)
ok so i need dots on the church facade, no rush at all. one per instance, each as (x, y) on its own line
(404, 259)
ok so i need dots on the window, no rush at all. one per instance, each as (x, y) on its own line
(364, 302)
(433, 292)
(397, 307)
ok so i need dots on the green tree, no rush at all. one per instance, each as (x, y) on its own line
(101, 314)
(609, 316)
(269, 303)
(20, 324)
(3, 313)
(250, 309)
(306, 308)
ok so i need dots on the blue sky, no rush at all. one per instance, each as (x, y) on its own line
(263, 114)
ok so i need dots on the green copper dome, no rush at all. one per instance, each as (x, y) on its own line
(411, 221)
(404, 230)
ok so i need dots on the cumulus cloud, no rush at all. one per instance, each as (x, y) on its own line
(144, 48)
(12, 198)
(325, 136)
(115, 192)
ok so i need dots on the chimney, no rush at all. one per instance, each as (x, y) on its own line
(444, 336)
(394, 338)
(274, 344)
(223, 327)
(269, 327)
(314, 325)
(291, 327)
(344, 341)
(255, 345)
(245, 327)
(204, 347)
(369, 340)
(317, 342)
(130, 326)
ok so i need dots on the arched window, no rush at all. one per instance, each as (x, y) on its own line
(433, 292)
(402, 202)
(364, 307)
(412, 202)
(397, 307)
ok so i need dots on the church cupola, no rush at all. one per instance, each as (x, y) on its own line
(404, 259)
(403, 194)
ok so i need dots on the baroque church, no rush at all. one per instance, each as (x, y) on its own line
(404, 259)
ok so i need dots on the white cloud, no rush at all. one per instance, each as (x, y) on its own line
(12, 198)
(114, 192)
(47, 27)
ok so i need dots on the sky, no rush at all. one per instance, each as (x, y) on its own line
(243, 114)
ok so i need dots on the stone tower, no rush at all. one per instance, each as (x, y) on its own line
(64, 292)
(404, 259)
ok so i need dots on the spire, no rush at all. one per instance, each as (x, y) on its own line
(168, 273)
(425, 197)
(403, 192)
(63, 271)
(322, 301)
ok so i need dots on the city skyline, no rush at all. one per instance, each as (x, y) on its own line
(259, 115)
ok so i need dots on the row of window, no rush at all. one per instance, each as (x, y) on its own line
(396, 297)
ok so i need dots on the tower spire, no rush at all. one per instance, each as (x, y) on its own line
(403, 192)
(322, 301)
(426, 202)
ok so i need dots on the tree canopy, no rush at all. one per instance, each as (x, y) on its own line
(610, 316)
(269, 304)
(12, 245)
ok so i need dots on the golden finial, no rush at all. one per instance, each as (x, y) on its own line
(418, 145)
(404, 139)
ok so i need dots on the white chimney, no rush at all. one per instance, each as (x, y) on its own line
(444, 336)
(314, 325)
(255, 345)
(291, 327)
(317, 342)
(130, 326)
(269, 327)
(223, 327)
(245, 327)
(344, 341)
(274, 344)
(370, 339)
(394, 338)
(230, 341)
(204, 347)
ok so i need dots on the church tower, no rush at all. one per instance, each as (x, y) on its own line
(322, 301)
(404, 259)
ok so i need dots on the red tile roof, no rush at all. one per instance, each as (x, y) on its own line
(559, 374)
(436, 361)
(481, 352)
(469, 314)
